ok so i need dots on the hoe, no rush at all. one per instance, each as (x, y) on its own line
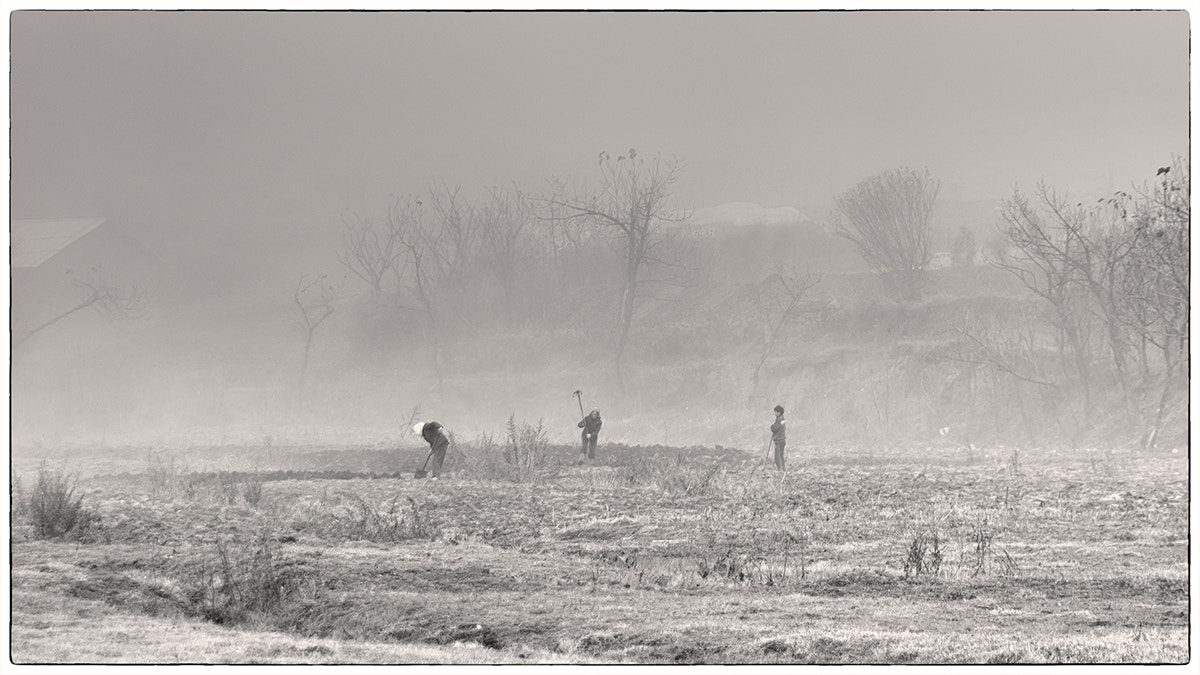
(579, 395)
(421, 472)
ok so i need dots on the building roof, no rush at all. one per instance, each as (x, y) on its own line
(33, 242)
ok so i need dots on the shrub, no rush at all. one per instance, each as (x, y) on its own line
(924, 555)
(168, 476)
(371, 524)
(231, 488)
(53, 509)
(522, 457)
(252, 578)
(526, 448)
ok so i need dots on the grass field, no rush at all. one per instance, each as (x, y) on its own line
(647, 555)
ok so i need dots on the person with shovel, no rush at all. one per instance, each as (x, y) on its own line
(434, 434)
(779, 436)
(591, 430)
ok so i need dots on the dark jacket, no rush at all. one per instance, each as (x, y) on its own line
(591, 424)
(434, 435)
(779, 430)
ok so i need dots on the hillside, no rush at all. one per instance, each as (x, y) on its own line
(856, 368)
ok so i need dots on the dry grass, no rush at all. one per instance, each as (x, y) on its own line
(91, 631)
(649, 555)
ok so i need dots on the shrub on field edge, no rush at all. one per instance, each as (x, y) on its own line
(52, 507)
(245, 579)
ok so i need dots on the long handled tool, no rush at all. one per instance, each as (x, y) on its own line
(579, 395)
(421, 472)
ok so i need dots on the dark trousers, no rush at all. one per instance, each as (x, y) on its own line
(437, 457)
(589, 445)
(779, 454)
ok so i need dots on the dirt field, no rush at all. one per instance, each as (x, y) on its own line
(648, 555)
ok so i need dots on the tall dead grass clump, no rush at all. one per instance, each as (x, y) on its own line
(232, 488)
(395, 523)
(774, 555)
(168, 476)
(983, 556)
(521, 456)
(242, 579)
(924, 555)
(679, 477)
(52, 506)
(928, 549)
(526, 447)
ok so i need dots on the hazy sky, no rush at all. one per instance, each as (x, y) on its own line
(231, 122)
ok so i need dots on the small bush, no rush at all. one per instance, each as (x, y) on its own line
(526, 448)
(983, 558)
(52, 507)
(168, 477)
(924, 555)
(241, 580)
(231, 488)
(522, 458)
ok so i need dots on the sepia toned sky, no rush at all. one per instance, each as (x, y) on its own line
(227, 122)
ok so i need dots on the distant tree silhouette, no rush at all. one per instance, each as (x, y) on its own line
(633, 198)
(112, 298)
(314, 302)
(887, 218)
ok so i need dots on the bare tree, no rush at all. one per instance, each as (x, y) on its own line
(887, 218)
(1114, 278)
(314, 301)
(507, 224)
(370, 252)
(111, 298)
(778, 301)
(564, 238)
(458, 232)
(632, 198)
(424, 244)
(1162, 218)
(1009, 345)
(1155, 286)
(1041, 257)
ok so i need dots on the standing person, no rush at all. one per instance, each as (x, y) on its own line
(779, 436)
(591, 429)
(434, 434)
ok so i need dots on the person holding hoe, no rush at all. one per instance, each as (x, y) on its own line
(591, 430)
(779, 436)
(435, 435)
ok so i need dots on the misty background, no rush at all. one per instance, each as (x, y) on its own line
(224, 158)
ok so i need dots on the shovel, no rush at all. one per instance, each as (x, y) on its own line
(421, 472)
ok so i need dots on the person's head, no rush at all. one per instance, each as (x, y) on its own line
(778, 410)
(595, 412)
(418, 428)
